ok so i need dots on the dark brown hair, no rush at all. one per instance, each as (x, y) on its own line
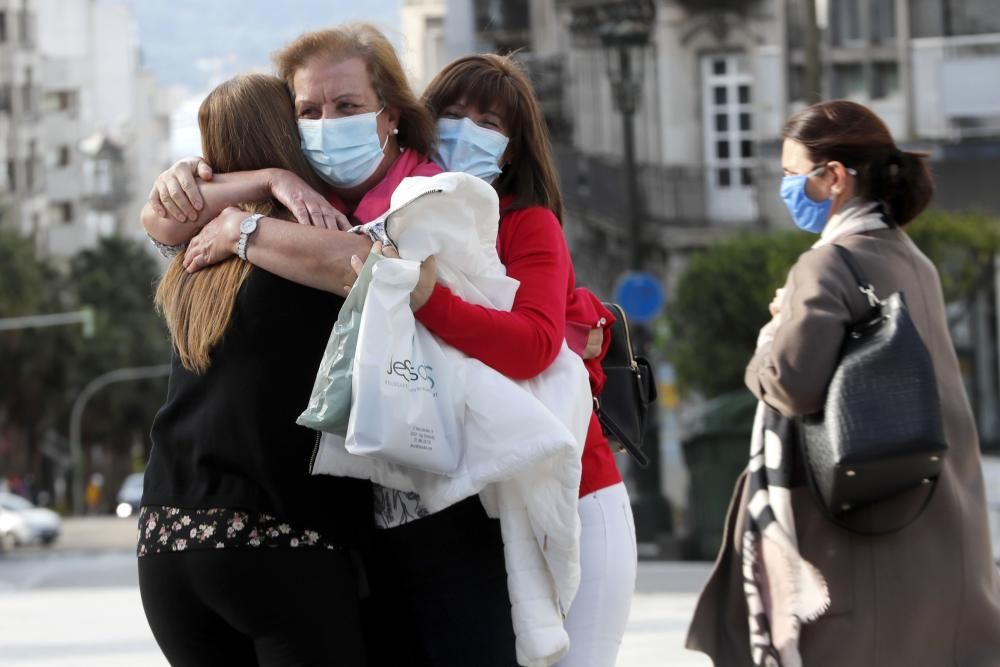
(365, 41)
(246, 123)
(497, 83)
(850, 133)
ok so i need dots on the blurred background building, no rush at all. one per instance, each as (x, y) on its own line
(424, 47)
(83, 125)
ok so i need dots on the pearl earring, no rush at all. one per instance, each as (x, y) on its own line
(395, 130)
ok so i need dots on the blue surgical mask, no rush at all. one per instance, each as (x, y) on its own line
(467, 147)
(345, 152)
(809, 215)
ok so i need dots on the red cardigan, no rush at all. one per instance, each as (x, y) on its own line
(525, 341)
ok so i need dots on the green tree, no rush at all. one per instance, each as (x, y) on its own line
(31, 371)
(43, 370)
(721, 300)
(962, 247)
(117, 279)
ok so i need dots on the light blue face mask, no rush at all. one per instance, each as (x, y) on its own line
(809, 215)
(345, 152)
(467, 147)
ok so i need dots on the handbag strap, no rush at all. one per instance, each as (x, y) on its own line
(867, 288)
(618, 433)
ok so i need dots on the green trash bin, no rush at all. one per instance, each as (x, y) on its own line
(716, 450)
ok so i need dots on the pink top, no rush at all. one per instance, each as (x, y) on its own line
(376, 201)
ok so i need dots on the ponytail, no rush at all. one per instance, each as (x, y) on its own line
(908, 188)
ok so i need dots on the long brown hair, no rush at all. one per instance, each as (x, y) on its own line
(491, 82)
(246, 123)
(853, 135)
(365, 41)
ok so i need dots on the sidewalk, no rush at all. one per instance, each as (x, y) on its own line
(97, 533)
(77, 605)
(666, 593)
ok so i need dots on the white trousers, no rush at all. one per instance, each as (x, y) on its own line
(597, 619)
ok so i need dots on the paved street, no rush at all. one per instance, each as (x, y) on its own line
(78, 606)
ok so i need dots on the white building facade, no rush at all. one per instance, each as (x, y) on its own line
(22, 169)
(424, 43)
(717, 80)
(94, 130)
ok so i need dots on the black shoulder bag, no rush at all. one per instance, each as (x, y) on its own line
(880, 432)
(624, 402)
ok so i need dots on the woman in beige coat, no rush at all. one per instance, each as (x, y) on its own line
(929, 594)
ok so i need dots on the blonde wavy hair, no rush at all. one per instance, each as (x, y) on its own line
(246, 123)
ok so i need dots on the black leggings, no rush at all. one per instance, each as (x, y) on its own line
(268, 606)
(439, 593)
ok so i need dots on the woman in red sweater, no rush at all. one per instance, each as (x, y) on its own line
(490, 125)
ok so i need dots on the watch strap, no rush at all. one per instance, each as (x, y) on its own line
(241, 247)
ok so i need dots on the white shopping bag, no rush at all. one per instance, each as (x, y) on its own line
(408, 400)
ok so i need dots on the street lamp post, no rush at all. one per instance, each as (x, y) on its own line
(624, 33)
(619, 38)
(76, 417)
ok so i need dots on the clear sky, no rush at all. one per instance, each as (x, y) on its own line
(194, 44)
(184, 41)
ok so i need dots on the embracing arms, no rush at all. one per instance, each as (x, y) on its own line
(202, 214)
(304, 254)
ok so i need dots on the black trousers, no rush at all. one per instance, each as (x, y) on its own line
(439, 593)
(268, 606)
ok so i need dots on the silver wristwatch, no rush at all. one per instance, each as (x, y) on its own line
(247, 227)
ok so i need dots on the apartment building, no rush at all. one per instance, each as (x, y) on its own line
(84, 129)
(105, 121)
(715, 81)
(22, 169)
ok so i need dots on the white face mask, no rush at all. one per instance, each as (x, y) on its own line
(467, 147)
(345, 152)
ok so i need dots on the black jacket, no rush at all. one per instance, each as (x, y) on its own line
(228, 438)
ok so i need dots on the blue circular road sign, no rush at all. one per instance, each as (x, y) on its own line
(640, 296)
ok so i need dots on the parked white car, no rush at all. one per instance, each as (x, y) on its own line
(130, 496)
(34, 525)
(10, 525)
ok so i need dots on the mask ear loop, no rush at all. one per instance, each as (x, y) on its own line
(394, 132)
(850, 170)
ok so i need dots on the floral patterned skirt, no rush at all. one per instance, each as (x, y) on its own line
(167, 529)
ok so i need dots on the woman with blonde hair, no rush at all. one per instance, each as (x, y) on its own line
(245, 558)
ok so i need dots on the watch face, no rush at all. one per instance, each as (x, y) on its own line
(248, 226)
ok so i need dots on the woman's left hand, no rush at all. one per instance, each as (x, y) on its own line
(595, 341)
(421, 294)
(775, 306)
(216, 241)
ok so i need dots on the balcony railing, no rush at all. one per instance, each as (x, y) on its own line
(672, 195)
(956, 86)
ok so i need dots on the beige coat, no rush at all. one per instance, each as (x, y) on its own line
(927, 596)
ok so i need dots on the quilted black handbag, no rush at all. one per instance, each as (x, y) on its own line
(630, 389)
(880, 432)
